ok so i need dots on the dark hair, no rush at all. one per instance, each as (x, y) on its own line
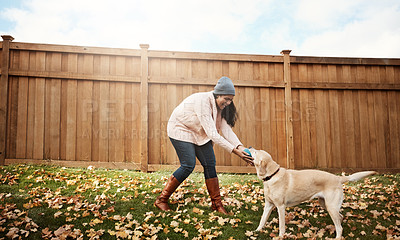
(229, 113)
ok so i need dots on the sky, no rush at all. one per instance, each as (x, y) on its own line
(330, 28)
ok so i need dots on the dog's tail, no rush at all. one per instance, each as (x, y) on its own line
(357, 176)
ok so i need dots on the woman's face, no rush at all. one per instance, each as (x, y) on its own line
(224, 100)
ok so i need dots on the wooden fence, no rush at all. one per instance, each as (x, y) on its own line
(80, 106)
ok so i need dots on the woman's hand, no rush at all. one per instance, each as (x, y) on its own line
(243, 155)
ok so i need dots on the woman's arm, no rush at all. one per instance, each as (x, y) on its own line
(243, 155)
(230, 135)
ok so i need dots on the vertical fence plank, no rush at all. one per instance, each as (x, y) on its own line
(144, 90)
(257, 119)
(157, 146)
(47, 119)
(121, 103)
(313, 134)
(113, 124)
(395, 119)
(136, 126)
(116, 141)
(320, 128)
(129, 111)
(97, 155)
(63, 119)
(296, 115)
(342, 130)
(273, 133)
(305, 129)
(30, 137)
(372, 130)
(381, 118)
(101, 66)
(63, 108)
(38, 143)
(54, 85)
(105, 116)
(170, 104)
(288, 109)
(5, 62)
(22, 117)
(335, 128)
(70, 121)
(364, 132)
(396, 145)
(250, 115)
(357, 132)
(85, 109)
(281, 128)
(55, 116)
(40, 101)
(349, 141)
(265, 120)
(72, 85)
(104, 113)
(84, 119)
(157, 115)
(12, 117)
(394, 129)
(166, 149)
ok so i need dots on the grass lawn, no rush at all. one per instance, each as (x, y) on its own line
(47, 202)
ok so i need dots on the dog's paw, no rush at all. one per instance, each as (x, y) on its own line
(258, 229)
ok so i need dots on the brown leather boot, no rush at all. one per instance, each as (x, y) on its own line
(162, 200)
(213, 190)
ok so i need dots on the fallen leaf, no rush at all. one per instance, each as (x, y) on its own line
(174, 224)
(57, 214)
(198, 211)
(249, 233)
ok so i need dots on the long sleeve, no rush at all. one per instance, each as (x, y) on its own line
(229, 135)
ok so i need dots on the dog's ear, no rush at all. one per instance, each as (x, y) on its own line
(267, 165)
(263, 167)
(272, 167)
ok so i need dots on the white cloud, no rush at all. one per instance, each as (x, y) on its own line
(168, 25)
(326, 14)
(376, 33)
(279, 36)
(355, 28)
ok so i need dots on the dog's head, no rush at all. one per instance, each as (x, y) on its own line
(263, 162)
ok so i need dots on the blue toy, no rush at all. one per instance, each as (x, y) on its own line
(247, 151)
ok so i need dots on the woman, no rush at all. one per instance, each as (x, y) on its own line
(193, 128)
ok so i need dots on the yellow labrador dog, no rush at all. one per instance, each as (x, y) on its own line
(285, 188)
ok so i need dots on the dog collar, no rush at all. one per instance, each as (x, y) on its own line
(269, 177)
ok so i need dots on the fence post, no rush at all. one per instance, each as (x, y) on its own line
(288, 109)
(5, 64)
(144, 92)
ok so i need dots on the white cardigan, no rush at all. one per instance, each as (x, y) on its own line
(197, 120)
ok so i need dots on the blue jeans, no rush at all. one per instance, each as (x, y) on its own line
(187, 153)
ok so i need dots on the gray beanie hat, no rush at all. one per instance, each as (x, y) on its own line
(224, 87)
